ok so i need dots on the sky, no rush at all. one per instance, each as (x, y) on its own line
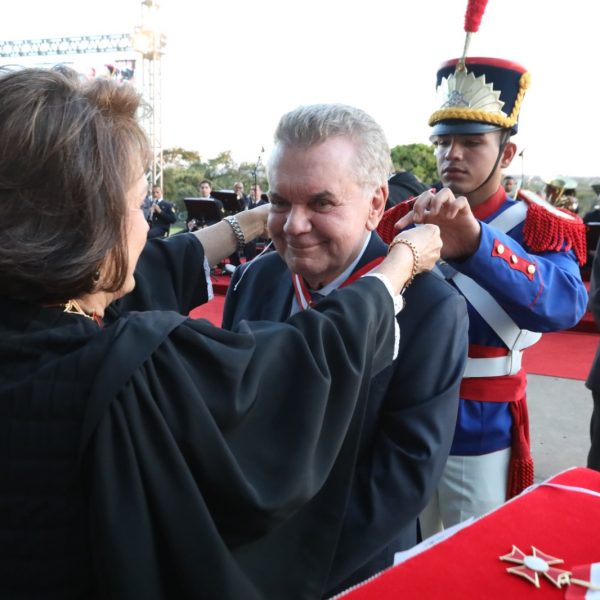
(231, 68)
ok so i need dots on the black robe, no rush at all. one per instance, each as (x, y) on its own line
(192, 462)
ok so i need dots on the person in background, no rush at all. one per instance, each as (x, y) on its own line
(497, 252)
(140, 458)
(404, 185)
(147, 205)
(593, 380)
(243, 200)
(256, 198)
(162, 215)
(328, 186)
(593, 215)
(205, 191)
(508, 183)
(592, 220)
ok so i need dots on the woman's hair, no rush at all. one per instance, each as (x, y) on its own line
(70, 150)
(311, 125)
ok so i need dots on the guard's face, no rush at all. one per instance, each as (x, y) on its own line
(319, 216)
(464, 162)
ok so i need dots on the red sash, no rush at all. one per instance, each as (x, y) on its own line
(509, 388)
(301, 289)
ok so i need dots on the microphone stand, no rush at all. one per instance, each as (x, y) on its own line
(256, 200)
(255, 173)
(522, 181)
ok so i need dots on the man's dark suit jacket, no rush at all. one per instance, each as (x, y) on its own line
(410, 418)
(160, 223)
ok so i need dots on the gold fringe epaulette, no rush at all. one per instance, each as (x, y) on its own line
(546, 229)
(549, 228)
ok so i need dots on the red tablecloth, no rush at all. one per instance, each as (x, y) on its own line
(564, 524)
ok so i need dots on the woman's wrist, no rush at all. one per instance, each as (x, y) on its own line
(415, 256)
(240, 238)
(397, 266)
(252, 222)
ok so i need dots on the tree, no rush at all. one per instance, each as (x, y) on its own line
(179, 157)
(185, 169)
(417, 158)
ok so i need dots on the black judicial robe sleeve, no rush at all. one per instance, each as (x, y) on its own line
(169, 276)
(222, 467)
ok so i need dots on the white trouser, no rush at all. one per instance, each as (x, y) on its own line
(470, 487)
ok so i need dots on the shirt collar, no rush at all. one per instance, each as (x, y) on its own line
(491, 205)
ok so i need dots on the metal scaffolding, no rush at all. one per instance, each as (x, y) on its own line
(145, 40)
(119, 42)
(150, 43)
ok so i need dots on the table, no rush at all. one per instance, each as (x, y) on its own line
(561, 522)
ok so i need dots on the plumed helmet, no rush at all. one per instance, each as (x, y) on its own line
(477, 95)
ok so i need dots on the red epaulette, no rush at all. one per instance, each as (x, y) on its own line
(385, 229)
(548, 227)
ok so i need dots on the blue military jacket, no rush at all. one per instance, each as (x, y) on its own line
(540, 291)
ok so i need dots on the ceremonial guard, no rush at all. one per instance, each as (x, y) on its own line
(514, 261)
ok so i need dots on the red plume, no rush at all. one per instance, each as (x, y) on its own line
(475, 10)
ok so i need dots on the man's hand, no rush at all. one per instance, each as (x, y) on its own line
(460, 230)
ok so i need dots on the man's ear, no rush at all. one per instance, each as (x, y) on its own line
(508, 154)
(377, 206)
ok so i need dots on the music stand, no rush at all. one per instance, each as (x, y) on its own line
(231, 204)
(205, 211)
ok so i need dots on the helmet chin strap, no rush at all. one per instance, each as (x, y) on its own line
(504, 139)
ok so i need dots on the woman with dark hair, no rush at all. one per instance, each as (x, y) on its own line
(144, 454)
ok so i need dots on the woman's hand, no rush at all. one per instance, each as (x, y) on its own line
(419, 252)
(428, 242)
(262, 213)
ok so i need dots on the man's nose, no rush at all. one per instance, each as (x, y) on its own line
(297, 221)
(453, 150)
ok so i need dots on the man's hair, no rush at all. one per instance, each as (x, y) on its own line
(311, 125)
(70, 151)
(205, 181)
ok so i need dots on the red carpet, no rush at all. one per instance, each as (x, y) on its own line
(568, 354)
(212, 311)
